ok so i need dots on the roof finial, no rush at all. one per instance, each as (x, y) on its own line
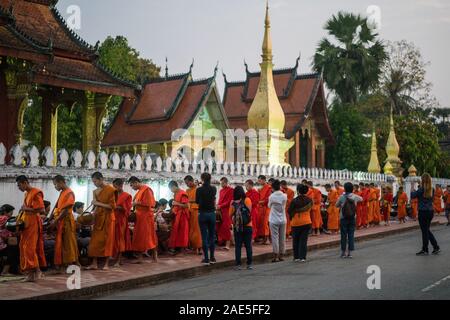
(267, 43)
(167, 69)
(192, 66)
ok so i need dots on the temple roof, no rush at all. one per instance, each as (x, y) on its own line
(163, 106)
(301, 96)
(34, 30)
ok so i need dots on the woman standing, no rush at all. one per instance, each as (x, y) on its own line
(425, 197)
(277, 220)
(300, 213)
(240, 212)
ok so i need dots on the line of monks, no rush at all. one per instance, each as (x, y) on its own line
(114, 210)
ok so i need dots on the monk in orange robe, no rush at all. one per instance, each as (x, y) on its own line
(339, 188)
(333, 211)
(414, 208)
(387, 199)
(377, 209)
(121, 214)
(66, 246)
(437, 200)
(290, 196)
(223, 204)
(372, 205)
(447, 204)
(402, 200)
(31, 245)
(253, 195)
(102, 238)
(144, 232)
(179, 235)
(316, 215)
(195, 236)
(263, 210)
(359, 216)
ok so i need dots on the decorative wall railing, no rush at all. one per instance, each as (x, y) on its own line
(128, 164)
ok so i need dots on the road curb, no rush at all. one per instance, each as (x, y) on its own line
(152, 280)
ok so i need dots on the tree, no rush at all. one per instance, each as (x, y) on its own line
(125, 61)
(351, 131)
(351, 60)
(419, 138)
(403, 79)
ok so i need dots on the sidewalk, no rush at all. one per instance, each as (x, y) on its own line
(96, 283)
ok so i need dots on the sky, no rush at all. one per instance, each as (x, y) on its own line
(229, 31)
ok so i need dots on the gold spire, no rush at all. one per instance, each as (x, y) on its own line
(388, 168)
(267, 43)
(266, 111)
(374, 164)
(392, 146)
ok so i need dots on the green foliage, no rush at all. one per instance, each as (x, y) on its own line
(70, 128)
(351, 130)
(32, 121)
(351, 58)
(419, 141)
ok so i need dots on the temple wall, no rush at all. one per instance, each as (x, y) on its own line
(39, 167)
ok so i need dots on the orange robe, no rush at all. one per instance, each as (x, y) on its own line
(386, 208)
(31, 243)
(333, 211)
(414, 208)
(372, 205)
(179, 235)
(195, 237)
(144, 232)
(264, 211)
(402, 200)
(102, 239)
(437, 201)
(340, 191)
(224, 227)
(447, 200)
(316, 214)
(290, 196)
(377, 208)
(253, 195)
(66, 246)
(122, 239)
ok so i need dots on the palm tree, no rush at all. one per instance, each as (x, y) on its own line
(351, 60)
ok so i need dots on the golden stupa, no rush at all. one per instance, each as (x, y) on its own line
(266, 112)
(374, 164)
(393, 150)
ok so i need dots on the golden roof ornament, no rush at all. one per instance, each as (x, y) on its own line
(392, 146)
(388, 168)
(374, 164)
(266, 112)
(412, 171)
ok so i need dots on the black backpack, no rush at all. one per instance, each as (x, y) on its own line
(242, 216)
(349, 209)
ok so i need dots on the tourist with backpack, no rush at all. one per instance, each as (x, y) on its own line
(240, 212)
(347, 204)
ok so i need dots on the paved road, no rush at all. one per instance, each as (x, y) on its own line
(325, 276)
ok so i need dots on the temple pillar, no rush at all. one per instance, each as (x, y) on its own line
(94, 110)
(49, 125)
(311, 150)
(321, 156)
(297, 149)
(14, 91)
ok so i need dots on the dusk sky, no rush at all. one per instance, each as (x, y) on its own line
(230, 30)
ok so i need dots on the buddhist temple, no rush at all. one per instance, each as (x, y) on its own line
(40, 54)
(285, 101)
(165, 106)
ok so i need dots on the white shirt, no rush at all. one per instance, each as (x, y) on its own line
(277, 205)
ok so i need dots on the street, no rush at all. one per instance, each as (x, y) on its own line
(325, 276)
